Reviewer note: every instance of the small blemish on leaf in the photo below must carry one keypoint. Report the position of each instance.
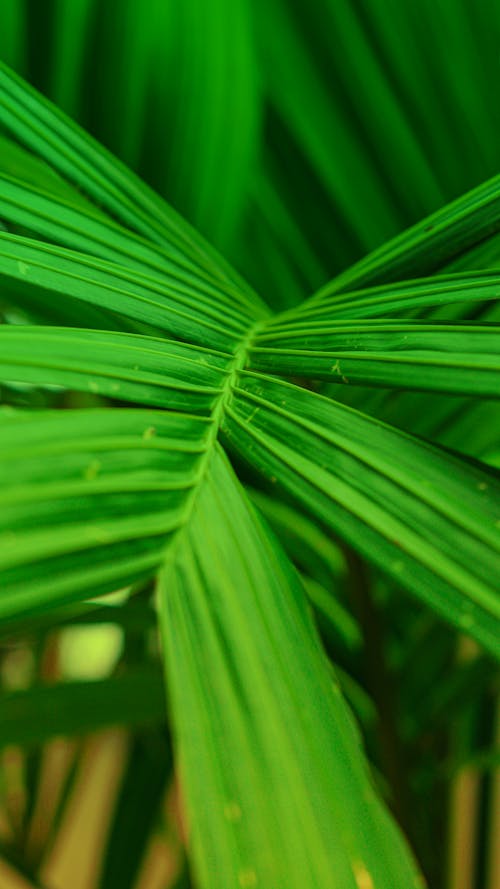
(92, 470)
(362, 876)
(148, 433)
(98, 535)
(247, 879)
(232, 812)
(23, 268)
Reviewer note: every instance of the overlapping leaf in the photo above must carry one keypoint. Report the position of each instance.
(88, 500)
(92, 500)
(430, 245)
(147, 370)
(271, 812)
(429, 520)
(462, 359)
(64, 146)
(51, 274)
(34, 197)
(32, 716)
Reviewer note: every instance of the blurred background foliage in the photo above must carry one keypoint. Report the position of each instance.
(296, 135)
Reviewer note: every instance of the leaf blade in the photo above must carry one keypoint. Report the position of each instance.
(89, 499)
(461, 358)
(244, 604)
(424, 517)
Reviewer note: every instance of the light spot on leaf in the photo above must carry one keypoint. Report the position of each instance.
(23, 268)
(247, 879)
(98, 535)
(362, 876)
(92, 470)
(232, 812)
(148, 433)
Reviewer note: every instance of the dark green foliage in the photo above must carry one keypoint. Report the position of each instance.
(246, 469)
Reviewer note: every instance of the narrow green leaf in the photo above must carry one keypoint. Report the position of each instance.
(216, 101)
(33, 716)
(430, 244)
(33, 196)
(88, 499)
(13, 34)
(326, 134)
(268, 805)
(372, 302)
(424, 517)
(126, 367)
(71, 26)
(39, 125)
(35, 268)
(342, 44)
(307, 544)
(462, 359)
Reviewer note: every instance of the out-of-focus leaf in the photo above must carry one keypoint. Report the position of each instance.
(31, 717)
(137, 810)
(430, 245)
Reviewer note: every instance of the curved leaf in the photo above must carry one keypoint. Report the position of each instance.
(198, 316)
(268, 805)
(126, 367)
(430, 245)
(88, 499)
(38, 124)
(381, 301)
(426, 518)
(36, 198)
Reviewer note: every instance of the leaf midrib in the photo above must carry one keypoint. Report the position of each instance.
(234, 367)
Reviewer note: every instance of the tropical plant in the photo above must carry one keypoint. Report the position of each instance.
(301, 492)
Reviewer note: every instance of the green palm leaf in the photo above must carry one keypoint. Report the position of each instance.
(33, 716)
(149, 370)
(230, 605)
(431, 244)
(88, 500)
(92, 500)
(463, 359)
(428, 519)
